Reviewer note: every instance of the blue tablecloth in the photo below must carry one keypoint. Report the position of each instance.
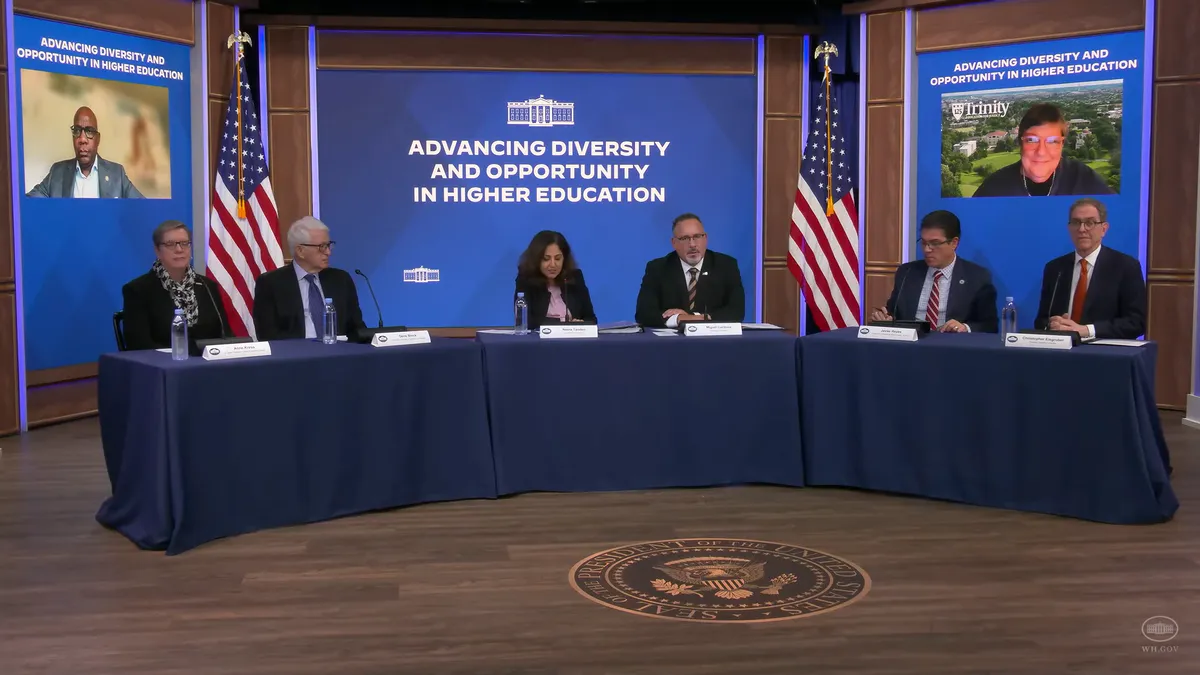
(962, 418)
(624, 412)
(199, 450)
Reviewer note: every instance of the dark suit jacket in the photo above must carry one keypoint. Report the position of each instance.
(575, 296)
(279, 311)
(972, 295)
(1116, 294)
(60, 181)
(149, 309)
(719, 291)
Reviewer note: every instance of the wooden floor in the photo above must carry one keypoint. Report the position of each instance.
(481, 588)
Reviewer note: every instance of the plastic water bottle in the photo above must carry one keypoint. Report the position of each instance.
(521, 327)
(1008, 318)
(179, 342)
(330, 336)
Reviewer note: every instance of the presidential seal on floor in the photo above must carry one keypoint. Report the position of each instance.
(719, 580)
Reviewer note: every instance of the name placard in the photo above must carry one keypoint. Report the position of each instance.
(569, 330)
(236, 350)
(887, 333)
(400, 338)
(708, 329)
(1036, 341)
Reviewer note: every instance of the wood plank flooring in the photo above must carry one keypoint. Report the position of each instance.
(480, 587)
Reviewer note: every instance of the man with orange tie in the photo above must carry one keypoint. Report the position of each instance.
(1096, 291)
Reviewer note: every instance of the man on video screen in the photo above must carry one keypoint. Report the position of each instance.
(87, 176)
(1042, 170)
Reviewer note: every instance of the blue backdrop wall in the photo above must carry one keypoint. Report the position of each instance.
(76, 254)
(676, 144)
(969, 103)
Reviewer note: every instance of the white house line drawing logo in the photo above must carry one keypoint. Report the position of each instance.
(1160, 629)
(541, 112)
(422, 275)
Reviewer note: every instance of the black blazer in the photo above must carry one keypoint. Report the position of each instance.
(719, 291)
(148, 310)
(1116, 294)
(972, 295)
(279, 311)
(575, 296)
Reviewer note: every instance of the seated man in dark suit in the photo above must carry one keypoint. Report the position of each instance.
(953, 294)
(691, 283)
(87, 175)
(289, 302)
(1095, 291)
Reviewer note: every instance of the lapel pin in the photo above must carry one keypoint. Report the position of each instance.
(704, 274)
(106, 179)
(962, 281)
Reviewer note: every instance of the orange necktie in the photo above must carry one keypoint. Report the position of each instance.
(1080, 293)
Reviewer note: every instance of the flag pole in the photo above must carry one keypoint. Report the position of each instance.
(826, 50)
(235, 42)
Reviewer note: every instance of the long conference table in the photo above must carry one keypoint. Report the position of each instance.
(199, 450)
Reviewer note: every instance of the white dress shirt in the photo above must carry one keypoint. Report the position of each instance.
(86, 187)
(943, 292)
(309, 331)
(673, 322)
(1091, 260)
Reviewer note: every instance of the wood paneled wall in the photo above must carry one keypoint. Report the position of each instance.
(10, 412)
(289, 142)
(288, 102)
(1175, 137)
(1174, 167)
(883, 175)
(60, 394)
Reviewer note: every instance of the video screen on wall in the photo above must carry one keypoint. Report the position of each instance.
(1009, 136)
(104, 155)
(433, 183)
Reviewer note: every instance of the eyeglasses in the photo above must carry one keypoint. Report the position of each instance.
(695, 237)
(323, 248)
(1052, 141)
(90, 132)
(177, 245)
(921, 243)
(1087, 224)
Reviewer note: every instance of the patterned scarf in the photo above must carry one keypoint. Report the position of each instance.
(183, 293)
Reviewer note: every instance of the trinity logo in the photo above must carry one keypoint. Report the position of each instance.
(978, 109)
(422, 275)
(541, 112)
(719, 580)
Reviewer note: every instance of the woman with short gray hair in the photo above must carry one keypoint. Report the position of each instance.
(171, 283)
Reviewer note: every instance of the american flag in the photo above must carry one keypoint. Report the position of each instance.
(243, 235)
(823, 238)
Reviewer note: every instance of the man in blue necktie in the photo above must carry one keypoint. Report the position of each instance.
(289, 302)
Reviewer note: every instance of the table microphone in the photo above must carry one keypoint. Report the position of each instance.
(899, 296)
(378, 311)
(224, 333)
(1053, 293)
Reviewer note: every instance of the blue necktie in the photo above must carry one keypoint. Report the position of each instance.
(316, 306)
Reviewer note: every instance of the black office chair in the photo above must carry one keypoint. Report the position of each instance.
(119, 330)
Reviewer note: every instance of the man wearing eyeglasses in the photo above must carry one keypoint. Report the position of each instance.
(88, 176)
(1042, 170)
(691, 283)
(953, 294)
(1095, 291)
(289, 303)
